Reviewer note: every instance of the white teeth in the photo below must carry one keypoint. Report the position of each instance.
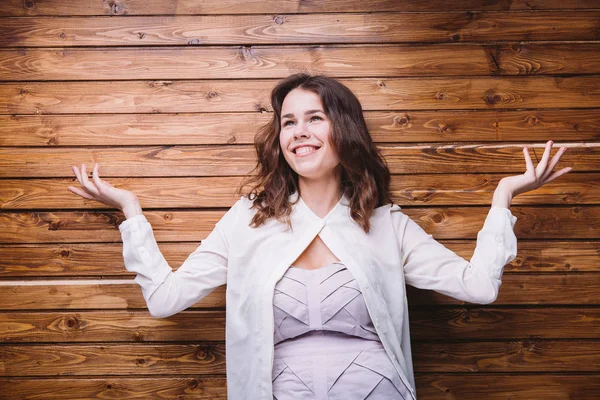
(306, 149)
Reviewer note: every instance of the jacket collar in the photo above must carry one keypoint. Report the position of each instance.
(301, 206)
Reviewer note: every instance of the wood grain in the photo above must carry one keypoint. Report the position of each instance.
(441, 324)
(527, 289)
(208, 358)
(432, 386)
(17, 8)
(471, 386)
(84, 295)
(113, 359)
(515, 356)
(389, 27)
(181, 192)
(105, 259)
(548, 290)
(154, 161)
(579, 222)
(479, 93)
(239, 128)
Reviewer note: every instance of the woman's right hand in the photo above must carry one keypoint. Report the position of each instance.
(100, 190)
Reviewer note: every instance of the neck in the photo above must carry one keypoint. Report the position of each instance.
(320, 195)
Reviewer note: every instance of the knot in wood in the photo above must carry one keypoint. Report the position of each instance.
(440, 96)
(402, 120)
(62, 35)
(246, 53)
(279, 19)
(232, 139)
(116, 8)
(455, 38)
(193, 384)
(492, 98)
(168, 216)
(64, 253)
(141, 35)
(140, 361)
(72, 323)
(211, 95)
(138, 336)
(532, 120)
(29, 4)
(437, 218)
(194, 41)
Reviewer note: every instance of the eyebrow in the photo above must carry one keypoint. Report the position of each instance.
(291, 115)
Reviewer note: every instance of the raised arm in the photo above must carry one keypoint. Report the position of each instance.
(430, 265)
(166, 292)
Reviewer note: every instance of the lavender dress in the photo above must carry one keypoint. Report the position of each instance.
(326, 346)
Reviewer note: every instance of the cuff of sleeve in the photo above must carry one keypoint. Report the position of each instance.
(126, 225)
(497, 214)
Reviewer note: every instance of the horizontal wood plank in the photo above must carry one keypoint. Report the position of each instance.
(205, 358)
(172, 161)
(239, 128)
(209, 358)
(527, 289)
(447, 324)
(580, 222)
(16, 8)
(105, 259)
(407, 190)
(549, 289)
(85, 295)
(195, 387)
(166, 96)
(438, 27)
(248, 62)
(113, 326)
(456, 324)
(514, 356)
(471, 386)
(432, 386)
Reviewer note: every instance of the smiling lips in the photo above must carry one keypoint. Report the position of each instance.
(305, 150)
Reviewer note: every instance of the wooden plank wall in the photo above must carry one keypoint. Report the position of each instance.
(167, 95)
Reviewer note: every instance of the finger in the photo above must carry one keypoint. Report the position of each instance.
(541, 168)
(96, 178)
(89, 186)
(528, 161)
(553, 163)
(76, 171)
(80, 192)
(557, 174)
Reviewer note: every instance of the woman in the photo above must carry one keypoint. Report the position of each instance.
(316, 256)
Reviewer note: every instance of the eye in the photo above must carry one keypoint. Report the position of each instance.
(286, 123)
(317, 117)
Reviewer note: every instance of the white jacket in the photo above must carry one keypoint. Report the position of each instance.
(396, 252)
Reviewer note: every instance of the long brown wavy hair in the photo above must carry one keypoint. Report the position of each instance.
(365, 177)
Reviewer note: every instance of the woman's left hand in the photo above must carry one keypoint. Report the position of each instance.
(535, 177)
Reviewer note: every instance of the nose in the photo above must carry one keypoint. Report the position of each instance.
(301, 131)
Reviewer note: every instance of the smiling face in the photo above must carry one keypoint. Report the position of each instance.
(305, 136)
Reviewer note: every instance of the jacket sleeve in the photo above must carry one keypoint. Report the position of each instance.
(168, 292)
(430, 265)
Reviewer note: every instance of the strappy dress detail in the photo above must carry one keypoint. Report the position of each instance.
(326, 346)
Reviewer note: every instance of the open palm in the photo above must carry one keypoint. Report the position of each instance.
(100, 190)
(535, 177)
